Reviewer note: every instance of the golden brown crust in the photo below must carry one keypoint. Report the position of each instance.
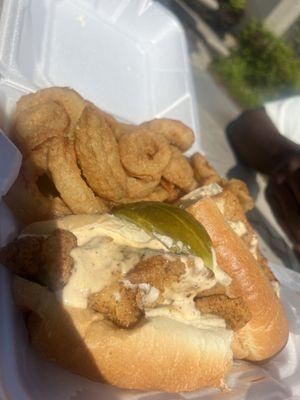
(36, 124)
(239, 188)
(160, 354)
(122, 302)
(23, 256)
(117, 304)
(179, 172)
(234, 311)
(98, 155)
(267, 332)
(57, 264)
(205, 174)
(158, 271)
(43, 259)
(70, 100)
(176, 132)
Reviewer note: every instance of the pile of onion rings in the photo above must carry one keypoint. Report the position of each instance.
(77, 159)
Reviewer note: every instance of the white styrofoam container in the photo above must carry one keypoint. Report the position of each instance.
(130, 58)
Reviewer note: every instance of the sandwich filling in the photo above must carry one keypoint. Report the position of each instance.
(121, 272)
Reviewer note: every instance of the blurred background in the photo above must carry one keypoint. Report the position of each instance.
(251, 47)
(243, 53)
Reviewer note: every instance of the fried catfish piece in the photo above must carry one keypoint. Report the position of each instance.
(123, 302)
(118, 304)
(157, 271)
(234, 311)
(23, 256)
(57, 263)
(44, 259)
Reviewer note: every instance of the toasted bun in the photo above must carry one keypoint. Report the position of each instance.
(160, 353)
(267, 332)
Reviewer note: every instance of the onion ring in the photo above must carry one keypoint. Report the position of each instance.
(67, 178)
(138, 188)
(174, 192)
(29, 205)
(179, 171)
(144, 154)
(38, 123)
(176, 132)
(98, 155)
(159, 194)
(203, 171)
(117, 127)
(72, 102)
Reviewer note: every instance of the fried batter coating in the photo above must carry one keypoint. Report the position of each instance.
(176, 132)
(98, 155)
(239, 188)
(118, 304)
(57, 264)
(123, 302)
(205, 174)
(67, 178)
(36, 124)
(71, 101)
(179, 171)
(158, 194)
(25, 197)
(46, 260)
(30, 205)
(144, 154)
(139, 188)
(234, 311)
(158, 271)
(174, 192)
(117, 127)
(23, 256)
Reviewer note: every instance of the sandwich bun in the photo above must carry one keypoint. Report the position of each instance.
(158, 354)
(267, 331)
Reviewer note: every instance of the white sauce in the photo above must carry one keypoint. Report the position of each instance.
(178, 299)
(149, 293)
(114, 247)
(111, 247)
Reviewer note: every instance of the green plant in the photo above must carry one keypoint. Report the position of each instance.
(232, 6)
(270, 62)
(236, 5)
(231, 72)
(293, 37)
(262, 67)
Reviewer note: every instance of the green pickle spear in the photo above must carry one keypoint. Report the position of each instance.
(165, 221)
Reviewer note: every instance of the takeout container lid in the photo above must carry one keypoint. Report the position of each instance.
(130, 58)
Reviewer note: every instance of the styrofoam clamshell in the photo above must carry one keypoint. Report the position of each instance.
(129, 57)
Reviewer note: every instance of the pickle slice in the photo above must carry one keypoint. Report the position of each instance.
(165, 222)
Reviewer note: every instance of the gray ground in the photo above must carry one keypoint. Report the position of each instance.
(216, 110)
